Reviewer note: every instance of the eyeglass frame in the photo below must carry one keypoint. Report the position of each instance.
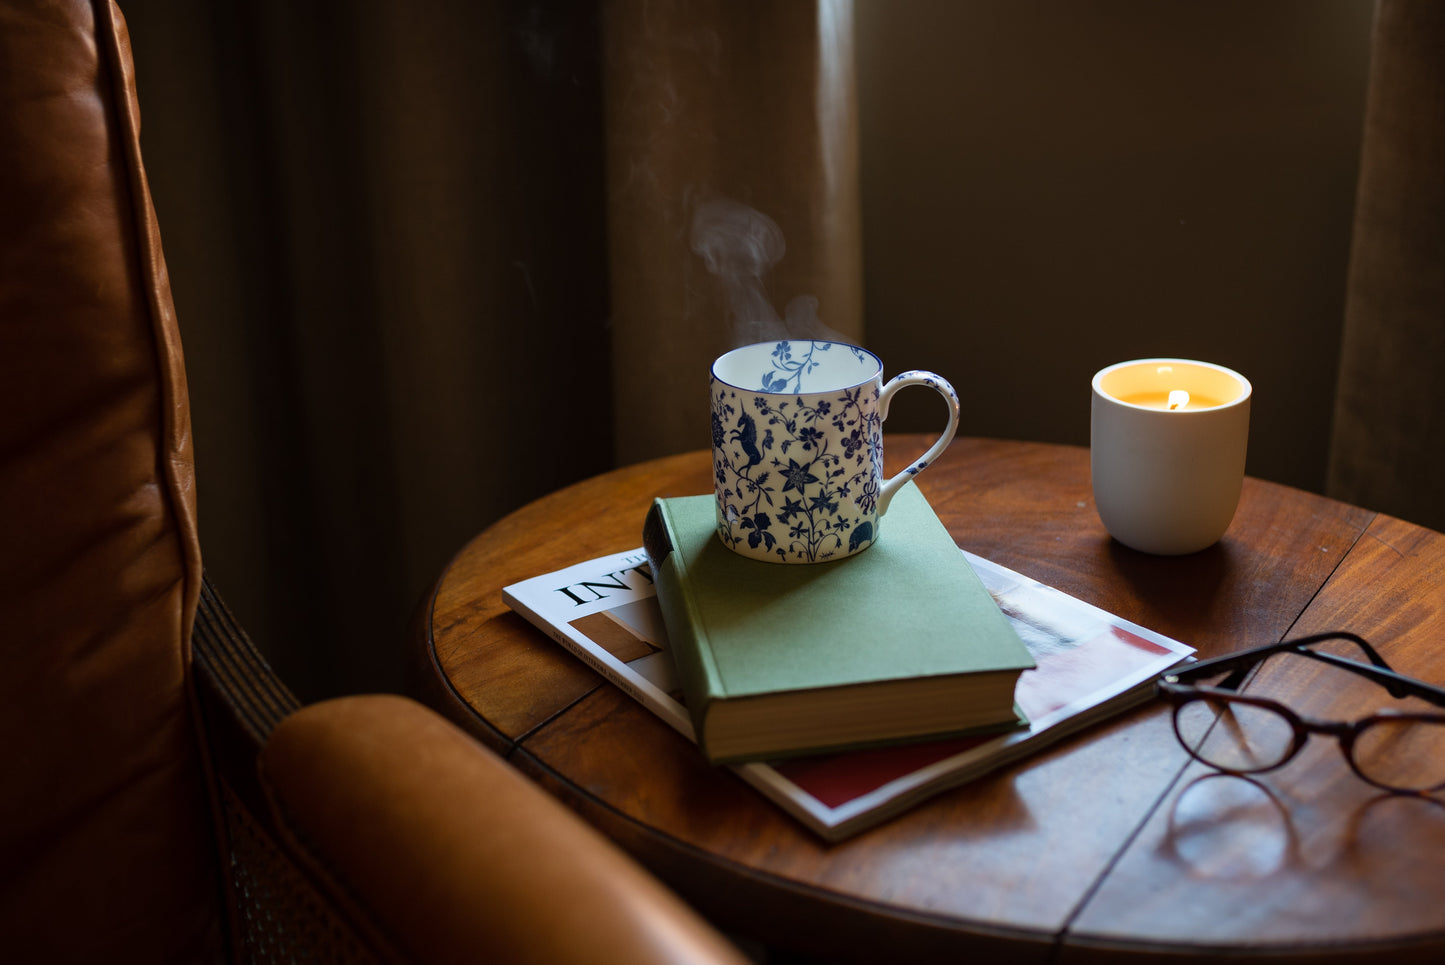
(1175, 687)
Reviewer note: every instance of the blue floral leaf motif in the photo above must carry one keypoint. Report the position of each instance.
(823, 503)
(768, 439)
(717, 430)
(863, 534)
(771, 384)
(791, 507)
(797, 476)
(868, 497)
(759, 524)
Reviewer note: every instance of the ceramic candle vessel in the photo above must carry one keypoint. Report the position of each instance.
(1167, 447)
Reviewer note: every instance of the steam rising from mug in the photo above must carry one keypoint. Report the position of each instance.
(740, 245)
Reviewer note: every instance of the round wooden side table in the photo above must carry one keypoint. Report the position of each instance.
(1111, 846)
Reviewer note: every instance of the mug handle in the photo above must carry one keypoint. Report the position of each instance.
(938, 384)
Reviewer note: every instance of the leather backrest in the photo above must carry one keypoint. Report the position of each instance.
(106, 841)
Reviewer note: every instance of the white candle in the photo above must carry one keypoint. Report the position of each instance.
(1167, 446)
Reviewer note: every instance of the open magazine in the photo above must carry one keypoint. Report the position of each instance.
(1090, 665)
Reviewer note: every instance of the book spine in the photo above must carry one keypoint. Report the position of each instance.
(686, 636)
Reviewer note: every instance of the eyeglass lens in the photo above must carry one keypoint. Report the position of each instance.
(1234, 736)
(1406, 754)
(1403, 754)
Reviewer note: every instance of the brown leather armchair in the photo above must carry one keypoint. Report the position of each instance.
(164, 797)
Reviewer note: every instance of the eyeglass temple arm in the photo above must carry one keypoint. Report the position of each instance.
(1396, 684)
(1244, 661)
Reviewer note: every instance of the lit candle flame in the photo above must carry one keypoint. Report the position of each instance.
(1178, 398)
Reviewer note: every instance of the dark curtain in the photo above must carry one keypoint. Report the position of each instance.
(432, 261)
(1388, 447)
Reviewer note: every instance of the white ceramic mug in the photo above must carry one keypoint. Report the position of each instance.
(1167, 447)
(797, 447)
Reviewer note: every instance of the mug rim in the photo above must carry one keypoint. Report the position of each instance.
(877, 372)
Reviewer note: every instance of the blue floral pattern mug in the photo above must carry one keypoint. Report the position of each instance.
(797, 448)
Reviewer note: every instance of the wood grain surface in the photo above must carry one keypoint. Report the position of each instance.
(1111, 846)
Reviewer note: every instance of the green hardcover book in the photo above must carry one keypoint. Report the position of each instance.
(899, 642)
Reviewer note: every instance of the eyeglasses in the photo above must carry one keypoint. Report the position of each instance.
(1398, 751)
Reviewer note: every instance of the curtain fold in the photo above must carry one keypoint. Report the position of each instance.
(1388, 445)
